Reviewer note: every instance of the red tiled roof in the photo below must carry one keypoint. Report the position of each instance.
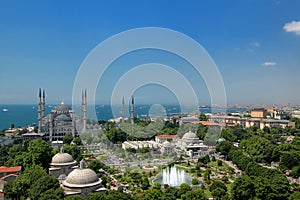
(166, 136)
(8, 175)
(208, 123)
(4, 169)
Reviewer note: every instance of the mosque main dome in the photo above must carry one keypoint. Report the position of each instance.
(190, 138)
(190, 135)
(62, 107)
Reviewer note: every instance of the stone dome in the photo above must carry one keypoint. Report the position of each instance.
(62, 158)
(82, 177)
(190, 138)
(62, 107)
(190, 135)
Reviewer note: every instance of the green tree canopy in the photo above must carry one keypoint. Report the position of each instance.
(243, 188)
(68, 138)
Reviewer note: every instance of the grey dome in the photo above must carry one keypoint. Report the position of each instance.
(190, 135)
(62, 117)
(62, 107)
(62, 158)
(82, 178)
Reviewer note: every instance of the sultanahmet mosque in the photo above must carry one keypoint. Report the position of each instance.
(61, 120)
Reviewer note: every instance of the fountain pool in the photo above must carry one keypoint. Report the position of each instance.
(173, 176)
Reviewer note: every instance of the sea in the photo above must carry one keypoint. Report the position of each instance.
(26, 115)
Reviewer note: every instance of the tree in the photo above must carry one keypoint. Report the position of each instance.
(243, 188)
(197, 194)
(12, 125)
(213, 159)
(295, 196)
(224, 147)
(217, 184)
(38, 152)
(68, 138)
(171, 193)
(8, 190)
(95, 196)
(274, 187)
(95, 165)
(218, 193)
(152, 194)
(43, 184)
(53, 194)
(75, 197)
(228, 134)
(145, 183)
(195, 181)
(74, 151)
(289, 160)
(156, 186)
(144, 150)
(26, 180)
(259, 148)
(219, 162)
(295, 172)
(225, 179)
(202, 117)
(184, 188)
(77, 141)
(4, 150)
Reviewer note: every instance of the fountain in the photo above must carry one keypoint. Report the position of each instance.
(173, 176)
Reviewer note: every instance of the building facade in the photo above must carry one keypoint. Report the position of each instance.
(61, 120)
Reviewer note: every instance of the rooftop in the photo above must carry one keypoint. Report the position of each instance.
(5, 169)
(166, 136)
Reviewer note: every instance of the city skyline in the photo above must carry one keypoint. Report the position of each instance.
(254, 44)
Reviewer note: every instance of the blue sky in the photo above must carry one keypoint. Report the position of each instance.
(255, 45)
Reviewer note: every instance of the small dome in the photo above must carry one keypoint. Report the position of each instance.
(190, 135)
(82, 177)
(61, 158)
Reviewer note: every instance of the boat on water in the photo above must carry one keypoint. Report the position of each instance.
(5, 110)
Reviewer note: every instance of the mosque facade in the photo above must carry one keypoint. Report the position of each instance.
(61, 120)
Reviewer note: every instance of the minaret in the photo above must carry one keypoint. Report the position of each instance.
(40, 111)
(84, 118)
(43, 104)
(132, 110)
(123, 109)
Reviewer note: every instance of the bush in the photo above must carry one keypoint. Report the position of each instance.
(219, 162)
(224, 179)
(195, 181)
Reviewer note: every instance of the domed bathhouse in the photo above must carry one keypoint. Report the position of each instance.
(82, 181)
(193, 146)
(62, 164)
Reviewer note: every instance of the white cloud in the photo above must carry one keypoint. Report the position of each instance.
(269, 64)
(255, 44)
(293, 27)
